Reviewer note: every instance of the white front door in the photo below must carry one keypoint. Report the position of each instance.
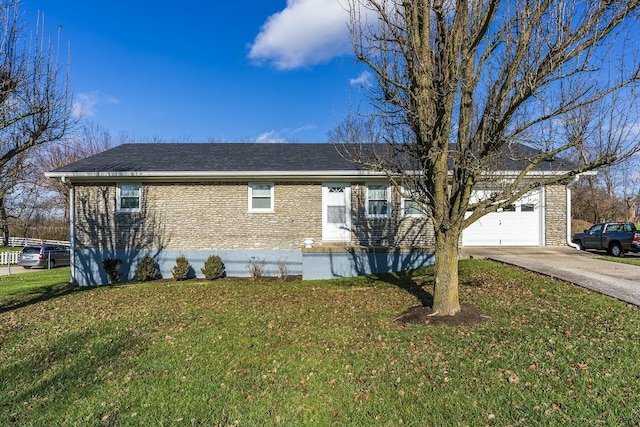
(336, 212)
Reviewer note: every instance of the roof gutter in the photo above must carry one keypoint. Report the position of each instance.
(231, 175)
(568, 215)
(204, 175)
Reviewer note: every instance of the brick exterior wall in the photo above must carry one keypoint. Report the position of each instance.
(395, 230)
(195, 216)
(555, 215)
(198, 216)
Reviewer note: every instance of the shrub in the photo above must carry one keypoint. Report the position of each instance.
(283, 269)
(112, 268)
(213, 268)
(181, 270)
(256, 268)
(146, 269)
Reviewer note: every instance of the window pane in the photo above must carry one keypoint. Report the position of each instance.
(336, 214)
(526, 208)
(595, 229)
(377, 192)
(412, 208)
(129, 196)
(261, 203)
(377, 207)
(261, 190)
(129, 191)
(129, 203)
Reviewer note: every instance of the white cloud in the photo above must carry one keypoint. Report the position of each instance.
(305, 33)
(363, 79)
(85, 103)
(284, 135)
(269, 138)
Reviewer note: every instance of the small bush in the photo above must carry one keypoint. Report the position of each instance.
(181, 270)
(256, 268)
(112, 268)
(146, 269)
(283, 269)
(213, 268)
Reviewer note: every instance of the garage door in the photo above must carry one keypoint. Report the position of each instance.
(517, 225)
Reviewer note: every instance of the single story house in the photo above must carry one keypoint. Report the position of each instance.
(304, 206)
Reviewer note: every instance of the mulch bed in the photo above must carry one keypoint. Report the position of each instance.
(421, 315)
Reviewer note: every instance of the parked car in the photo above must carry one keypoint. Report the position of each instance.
(614, 237)
(44, 256)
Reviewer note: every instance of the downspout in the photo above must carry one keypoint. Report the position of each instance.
(72, 227)
(569, 242)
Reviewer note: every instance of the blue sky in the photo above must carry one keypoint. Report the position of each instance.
(189, 71)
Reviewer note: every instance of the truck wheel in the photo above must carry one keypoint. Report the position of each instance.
(580, 245)
(616, 250)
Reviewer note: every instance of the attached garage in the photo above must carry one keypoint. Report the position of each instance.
(520, 224)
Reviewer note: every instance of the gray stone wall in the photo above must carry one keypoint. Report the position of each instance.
(396, 230)
(192, 216)
(555, 215)
(195, 216)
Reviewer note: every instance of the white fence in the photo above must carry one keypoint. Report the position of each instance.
(8, 258)
(26, 241)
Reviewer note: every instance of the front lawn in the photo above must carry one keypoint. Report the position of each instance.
(237, 352)
(633, 259)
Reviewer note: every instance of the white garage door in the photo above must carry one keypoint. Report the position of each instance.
(517, 225)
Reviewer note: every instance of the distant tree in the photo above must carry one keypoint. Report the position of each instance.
(92, 139)
(35, 101)
(462, 86)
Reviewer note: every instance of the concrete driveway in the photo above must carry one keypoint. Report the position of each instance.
(586, 269)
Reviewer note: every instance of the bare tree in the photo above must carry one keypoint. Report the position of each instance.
(15, 171)
(92, 139)
(35, 103)
(464, 86)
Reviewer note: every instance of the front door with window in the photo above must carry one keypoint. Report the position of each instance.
(336, 212)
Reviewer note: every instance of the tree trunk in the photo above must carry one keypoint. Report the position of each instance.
(445, 298)
(4, 222)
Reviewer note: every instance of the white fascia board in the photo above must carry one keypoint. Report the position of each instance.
(165, 176)
(531, 174)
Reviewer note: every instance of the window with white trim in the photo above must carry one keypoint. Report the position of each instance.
(129, 197)
(260, 197)
(411, 208)
(378, 204)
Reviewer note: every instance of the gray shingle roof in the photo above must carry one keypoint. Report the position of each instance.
(222, 157)
(230, 158)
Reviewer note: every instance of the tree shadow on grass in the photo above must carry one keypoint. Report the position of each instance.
(68, 367)
(41, 294)
(413, 282)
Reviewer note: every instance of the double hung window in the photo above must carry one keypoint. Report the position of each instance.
(378, 200)
(409, 206)
(128, 197)
(260, 197)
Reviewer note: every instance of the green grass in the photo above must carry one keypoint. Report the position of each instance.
(633, 260)
(21, 289)
(235, 352)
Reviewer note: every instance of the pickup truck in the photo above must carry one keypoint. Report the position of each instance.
(614, 237)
